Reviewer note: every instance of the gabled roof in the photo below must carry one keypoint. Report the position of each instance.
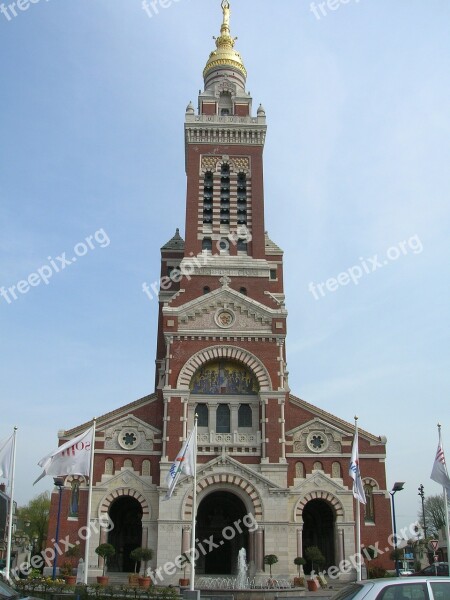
(349, 428)
(103, 419)
(271, 247)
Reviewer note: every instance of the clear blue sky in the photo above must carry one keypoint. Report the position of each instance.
(357, 161)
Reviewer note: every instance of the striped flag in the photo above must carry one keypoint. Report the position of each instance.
(439, 473)
(184, 463)
(6, 452)
(358, 488)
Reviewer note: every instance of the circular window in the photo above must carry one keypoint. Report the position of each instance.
(129, 439)
(224, 318)
(317, 441)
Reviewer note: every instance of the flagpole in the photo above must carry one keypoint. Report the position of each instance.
(194, 508)
(358, 517)
(11, 509)
(88, 518)
(447, 534)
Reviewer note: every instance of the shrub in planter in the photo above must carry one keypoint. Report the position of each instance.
(299, 581)
(105, 551)
(142, 555)
(270, 559)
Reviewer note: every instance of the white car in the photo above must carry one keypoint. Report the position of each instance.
(413, 588)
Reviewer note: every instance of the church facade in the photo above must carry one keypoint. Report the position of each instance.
(267, 460)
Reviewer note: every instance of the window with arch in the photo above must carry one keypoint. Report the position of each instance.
(299, 470)
(74, 498)
(223, 419)
(369, 508)
(318, 466)
(146, 468)
(207, 244)
(336, 472)
(243, 291)
(245, 416)
(206, 290)
(109, 466)
(201, 410)
(128, 463)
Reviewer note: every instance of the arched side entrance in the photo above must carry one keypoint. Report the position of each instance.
(217, 515)
(126, 508)
(319, 531)
(126, 535)
(320, 511)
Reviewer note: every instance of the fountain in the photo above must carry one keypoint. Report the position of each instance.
(242, 579)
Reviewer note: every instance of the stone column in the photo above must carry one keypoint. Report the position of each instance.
(263, 428)
(341, 551)
(164, 437)
(283, 431)
(259, 549)
(186, 538)
(300, 548)
(103, 540)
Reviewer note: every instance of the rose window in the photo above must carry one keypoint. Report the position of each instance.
(317, 441)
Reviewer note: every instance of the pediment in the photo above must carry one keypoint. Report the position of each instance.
(229, 464)
(126, 477)
(316, 437)
(319, 481)
(130, 433)
(224, 310)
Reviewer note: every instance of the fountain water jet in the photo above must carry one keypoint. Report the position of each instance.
(242, 579)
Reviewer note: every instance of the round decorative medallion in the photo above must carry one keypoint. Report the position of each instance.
(317, 441)
(225, 318)
(129, 438)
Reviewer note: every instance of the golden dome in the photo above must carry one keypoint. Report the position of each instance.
(225, 55)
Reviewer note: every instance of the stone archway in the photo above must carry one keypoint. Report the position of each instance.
(125, 513)
(319, 512)
(217, 516)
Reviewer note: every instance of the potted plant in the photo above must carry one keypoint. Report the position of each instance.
(184, 581)
(300, 580)
(270, 559)
(67, 569)
(314, 555)
(133, 578)
(143, 555)
(105, 551)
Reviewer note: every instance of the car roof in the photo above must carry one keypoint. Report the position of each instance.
(402, 580)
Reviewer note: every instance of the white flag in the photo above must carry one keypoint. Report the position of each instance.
(72, 458)
(358, 488)
(6, 452)
(184, 463)
(439, 473)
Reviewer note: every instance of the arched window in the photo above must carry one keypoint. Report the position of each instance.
(369, 509)
(206, 290)
(74, 498)
(146, 468)
(245, 416)
(317, 466)
(223, 419)
(243, 291)
(336, 471)
(299, 470)
(207, 244)
(208, 199)
(201, 410)
(128, 463)
(225, 195)
(109, 466)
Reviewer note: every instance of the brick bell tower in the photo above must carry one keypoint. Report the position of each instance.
(222, 320)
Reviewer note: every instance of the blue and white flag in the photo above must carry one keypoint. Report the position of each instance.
(439, 474)
(355, 474)
(184, 463)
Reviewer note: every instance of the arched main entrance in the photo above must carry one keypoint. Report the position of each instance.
(216, 516)
(318, 530)
(126, 514)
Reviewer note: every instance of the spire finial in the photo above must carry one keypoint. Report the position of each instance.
(226, 16)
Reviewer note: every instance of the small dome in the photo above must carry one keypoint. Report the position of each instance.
(261, 112)
(225, 55)
(190, 110)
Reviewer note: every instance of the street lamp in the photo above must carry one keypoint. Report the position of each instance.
(398, 486)
(422, 495)
(59, 483)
